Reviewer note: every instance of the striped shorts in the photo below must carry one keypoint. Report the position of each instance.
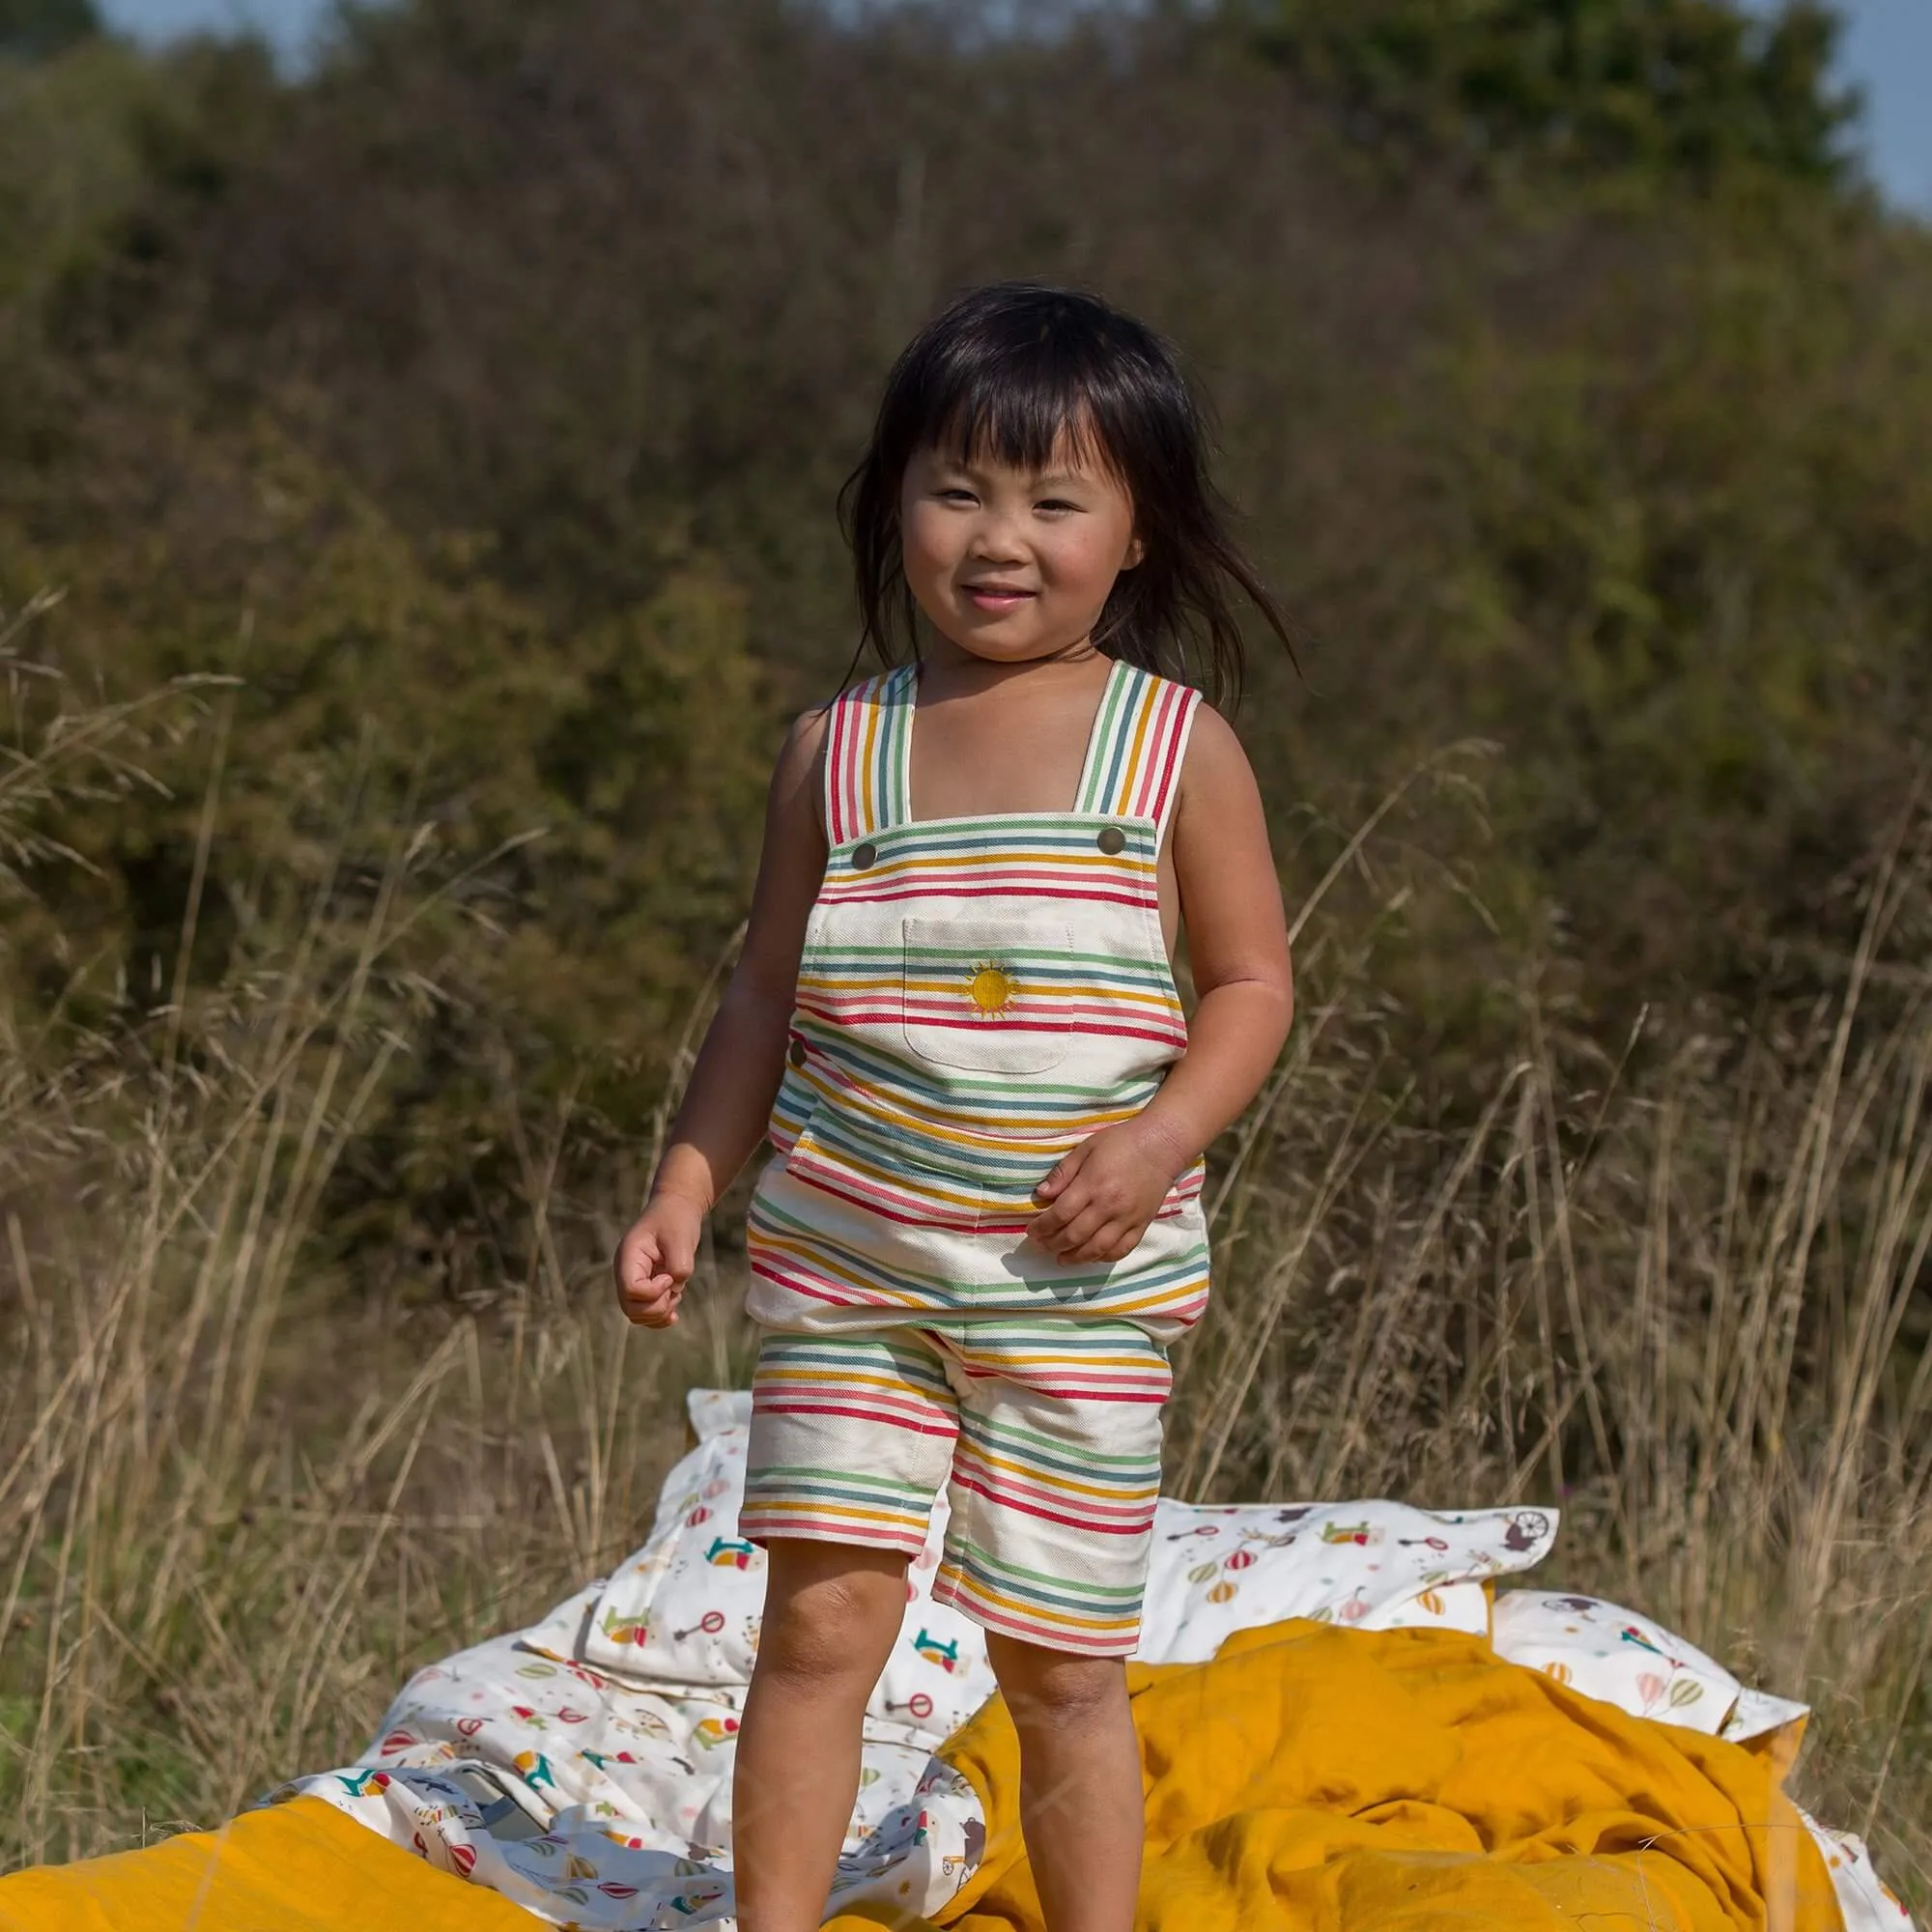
(1046, 1433)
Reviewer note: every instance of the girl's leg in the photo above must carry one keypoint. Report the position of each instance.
(832, 1614)
(1080, 1782)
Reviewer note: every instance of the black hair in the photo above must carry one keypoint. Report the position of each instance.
(1003, 371)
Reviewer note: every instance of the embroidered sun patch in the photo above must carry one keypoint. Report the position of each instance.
(991, 989)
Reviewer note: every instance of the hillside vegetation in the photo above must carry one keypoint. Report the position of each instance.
(415, 529)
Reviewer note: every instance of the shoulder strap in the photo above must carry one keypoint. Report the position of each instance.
(1140, 740)
(865, 756)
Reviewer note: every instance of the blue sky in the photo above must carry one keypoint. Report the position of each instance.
(1889, 53)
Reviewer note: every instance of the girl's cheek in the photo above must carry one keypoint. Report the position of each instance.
(1085, 567)
(926, 554)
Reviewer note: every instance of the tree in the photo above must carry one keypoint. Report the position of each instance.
(1675, 92)
(35, 29)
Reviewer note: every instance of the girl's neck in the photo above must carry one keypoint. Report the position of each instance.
(950, 671)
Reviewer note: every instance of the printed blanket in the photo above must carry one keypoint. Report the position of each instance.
(1338, 1727)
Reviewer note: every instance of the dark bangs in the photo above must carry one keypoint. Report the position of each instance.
(1004, 374)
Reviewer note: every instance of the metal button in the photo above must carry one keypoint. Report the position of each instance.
(865, 857)
(797, 1054)
(1112, 839)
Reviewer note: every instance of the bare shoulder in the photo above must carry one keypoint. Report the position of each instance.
(805, 742)
(1216, 767)
(799, 773)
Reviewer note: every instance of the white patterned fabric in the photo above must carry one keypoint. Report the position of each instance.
(686, 1608)
(1606, 1651)
(1369, 1565)
(601, 1800)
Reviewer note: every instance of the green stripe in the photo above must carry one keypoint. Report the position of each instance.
(879, 1071)
(1047, 1456)
(944, 834)
(840, 1263)
(862, 955)
(838, 1484)
(895, 775)
(881, 1353)
(1125, 690)
(1040, 1587)
(1099, 747)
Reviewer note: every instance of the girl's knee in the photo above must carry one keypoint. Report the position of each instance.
(1047, 1687)
(831, 1616)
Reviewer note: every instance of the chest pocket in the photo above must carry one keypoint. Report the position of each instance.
(995, 995)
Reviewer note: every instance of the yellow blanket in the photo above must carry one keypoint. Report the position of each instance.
(301, 1867)
(1312, 1778)
(1308, 1778)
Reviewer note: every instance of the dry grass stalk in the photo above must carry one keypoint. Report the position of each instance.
(243, 1497)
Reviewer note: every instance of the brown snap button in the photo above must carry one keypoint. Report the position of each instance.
(797, 1054)
(1112, 839)
(865, 857)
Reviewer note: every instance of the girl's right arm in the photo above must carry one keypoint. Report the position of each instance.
(742, 1061)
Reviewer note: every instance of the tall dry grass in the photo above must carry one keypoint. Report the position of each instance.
(244, 1490)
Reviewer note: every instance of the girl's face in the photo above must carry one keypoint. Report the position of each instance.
(1008, 565)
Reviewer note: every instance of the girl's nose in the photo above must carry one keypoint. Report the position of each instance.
(996, 541)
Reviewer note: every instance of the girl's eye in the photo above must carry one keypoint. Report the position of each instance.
(956, 495)
(1054, 505)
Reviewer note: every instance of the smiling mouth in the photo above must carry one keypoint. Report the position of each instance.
(997, 596)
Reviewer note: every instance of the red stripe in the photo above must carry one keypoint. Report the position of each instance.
(960, 1219)
(854, 1415)
(1034, 1012)
(1170, 1037)
(959, 1594)
(1136, 1387)
(1172, 764)
(786, 1395)
(1155, 772)
(766, 1525)
(818, 1287)
(1124, 1518)
(994, 887)
(1006, 1502)
(835, 771)
(1133, 796)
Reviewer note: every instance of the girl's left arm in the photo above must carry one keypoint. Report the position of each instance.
(1102, 1197)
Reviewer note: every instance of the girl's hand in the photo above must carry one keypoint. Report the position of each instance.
(1103, 1195)
(655, 1258)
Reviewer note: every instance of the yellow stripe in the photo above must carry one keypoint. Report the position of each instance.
(880, 1293)
(843, 1378)
(1113, 1493)
(1060, 1140)
(1140, 739)
(1073, 1127)
(867, 788)
(828, 982)
(927, 1189)
(940, 862)
(836, 1512)
(1031, 1611)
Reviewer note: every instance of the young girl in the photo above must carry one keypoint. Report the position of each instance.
(956, 1019)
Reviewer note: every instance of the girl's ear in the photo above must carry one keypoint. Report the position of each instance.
(1136, 551)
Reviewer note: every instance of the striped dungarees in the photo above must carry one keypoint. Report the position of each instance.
(976, 997)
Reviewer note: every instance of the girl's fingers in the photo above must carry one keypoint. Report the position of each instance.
(1050, 1224)
(1080, 1231)
(1113, 1240)
(1063, 1171)
(644, 1301)
(637, 1262)
(1095, 1245)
